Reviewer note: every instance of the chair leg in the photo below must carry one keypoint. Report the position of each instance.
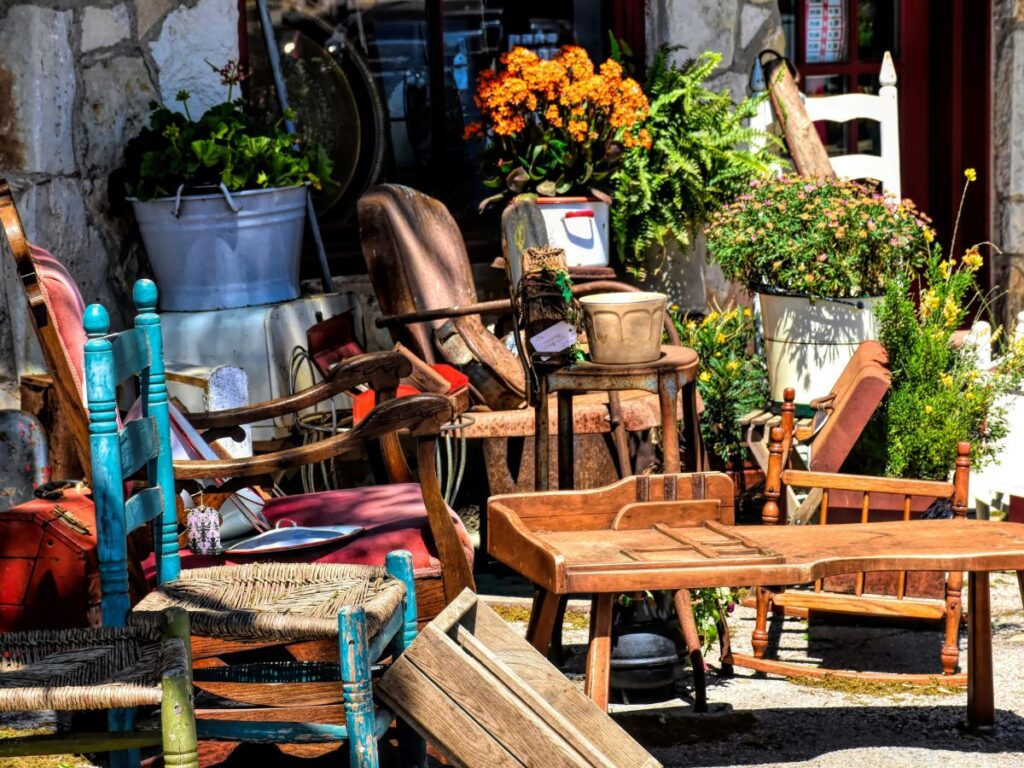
(954, 610)
(1020, 585)
(759, 640)
(178, 723)
(724, 643)
(356, 689)
(688, 625)
(411, 745)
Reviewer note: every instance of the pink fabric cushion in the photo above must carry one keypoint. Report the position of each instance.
(394, 517)
(64, 304)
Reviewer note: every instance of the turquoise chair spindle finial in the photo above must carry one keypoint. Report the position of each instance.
(144, 294)
(96, 321)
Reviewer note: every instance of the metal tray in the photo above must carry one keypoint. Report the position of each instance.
(293, 537)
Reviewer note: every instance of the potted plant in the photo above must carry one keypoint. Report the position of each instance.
(939, 394)
(220, 200)
(819, 253)
(699, 159)
(557, 128)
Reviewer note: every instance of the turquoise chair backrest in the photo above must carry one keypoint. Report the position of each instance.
(119, 451)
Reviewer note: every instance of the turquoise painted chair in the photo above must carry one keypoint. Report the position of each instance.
(365, 612)
(117, 667)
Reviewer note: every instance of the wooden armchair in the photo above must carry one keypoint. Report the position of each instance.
(420, 270)
(861, 499)
(404, 515)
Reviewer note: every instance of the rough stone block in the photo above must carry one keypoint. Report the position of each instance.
(752, 19)
(110, 123)
(190, 37)
(37, 91)
(102, 27)
(698, 25)
(149, 12)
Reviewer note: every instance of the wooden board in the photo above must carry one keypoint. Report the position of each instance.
(484, 697)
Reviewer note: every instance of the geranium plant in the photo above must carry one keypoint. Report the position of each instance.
(556, 126)
(225, 145)
(822, 238)
(939, 395)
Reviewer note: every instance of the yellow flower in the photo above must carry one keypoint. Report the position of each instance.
(927, 409)
(946, 379)
(944, 267)
(732, 365)
(969, 396)
(929, 235)
(970, 174)
(972, 259)
(929, 303)
(710, 318)
(950, 312)
(705, 376)
(747, 312)
(720, 338)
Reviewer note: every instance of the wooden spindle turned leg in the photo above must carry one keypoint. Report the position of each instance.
(355, 688)
(759, 640)
(954, 610)
(688, 625)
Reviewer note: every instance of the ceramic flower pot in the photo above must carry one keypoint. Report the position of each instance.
(217, 251)
(624, 328)
(808, 343)
(579, 226)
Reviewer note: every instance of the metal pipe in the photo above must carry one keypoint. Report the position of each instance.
(289, 125)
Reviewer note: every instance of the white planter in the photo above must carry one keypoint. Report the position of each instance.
(807, 344)
(212, 256)
(579, 226)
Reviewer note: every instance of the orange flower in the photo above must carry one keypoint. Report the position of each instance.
(472, 131)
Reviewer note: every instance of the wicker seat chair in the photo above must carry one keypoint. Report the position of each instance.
(112, 668)
(362, 611)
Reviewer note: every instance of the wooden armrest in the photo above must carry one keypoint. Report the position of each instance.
(381, 370)
(419, 414)
(864, 483)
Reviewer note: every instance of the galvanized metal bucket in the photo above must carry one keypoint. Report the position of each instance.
(221, 250)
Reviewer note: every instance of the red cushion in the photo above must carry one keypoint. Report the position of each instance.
(393, 515)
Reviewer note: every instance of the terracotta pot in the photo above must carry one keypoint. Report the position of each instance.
(624, 328)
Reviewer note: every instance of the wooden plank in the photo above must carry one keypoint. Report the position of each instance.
(799, 669)
(331, 714)
(645, 514)
(145, 506)
(280, 732)
(931, 488)
(131, 353)
(520, 730)
(138, 444)
(749, 417)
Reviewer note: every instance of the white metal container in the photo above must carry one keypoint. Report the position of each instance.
(808, 343)
(221, 250)
(579, 226)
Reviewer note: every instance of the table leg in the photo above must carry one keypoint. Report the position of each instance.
(566, 472)
(619, 436)
(542, 620)
(599, 655)
(980, 694)
(541, 443)
(691, 427)
(688, 626)
(668, 394)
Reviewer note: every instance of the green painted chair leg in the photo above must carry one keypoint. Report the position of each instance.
(177, 712)
(355, 686)
(399, 564)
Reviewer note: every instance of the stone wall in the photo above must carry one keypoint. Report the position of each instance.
(1008, 152)
(739, 30)
(76, 80)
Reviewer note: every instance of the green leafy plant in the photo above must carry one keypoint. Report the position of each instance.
(822, 238)
(225, 145)
(699, 159)
(732, 380)
(555, 126)
(939, 396)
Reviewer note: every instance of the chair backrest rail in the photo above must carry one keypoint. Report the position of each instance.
(144, 507)
(138, 445)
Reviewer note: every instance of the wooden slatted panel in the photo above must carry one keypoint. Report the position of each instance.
(131, 353)
(138, 445)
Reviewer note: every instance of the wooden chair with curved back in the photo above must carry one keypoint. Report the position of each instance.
(401, 515)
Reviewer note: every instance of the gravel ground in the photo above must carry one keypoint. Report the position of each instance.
(772, 722)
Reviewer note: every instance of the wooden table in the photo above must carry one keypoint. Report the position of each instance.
(582, 542)
(671, 377)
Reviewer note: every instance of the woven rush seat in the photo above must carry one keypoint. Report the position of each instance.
(78, 669)
(275, 602)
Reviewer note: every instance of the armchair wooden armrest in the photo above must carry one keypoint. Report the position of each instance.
(381, 370)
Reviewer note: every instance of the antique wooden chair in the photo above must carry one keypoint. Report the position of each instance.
(853, 499)
(402, 515)
(361, 610)
(882, 108)
(417, 262)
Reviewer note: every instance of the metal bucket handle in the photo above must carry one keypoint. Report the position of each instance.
(235, 207)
